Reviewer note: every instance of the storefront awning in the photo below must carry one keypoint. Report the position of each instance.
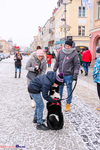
(60, 42)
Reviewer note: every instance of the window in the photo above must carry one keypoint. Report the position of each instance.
(81, 30)
(98, 10)
(82, 11)
(98, 42)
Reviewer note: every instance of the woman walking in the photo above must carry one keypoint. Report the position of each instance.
(17, 58)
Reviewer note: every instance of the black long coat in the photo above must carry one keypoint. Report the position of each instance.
(18, 61)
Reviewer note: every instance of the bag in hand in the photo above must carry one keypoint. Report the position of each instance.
(31, 75)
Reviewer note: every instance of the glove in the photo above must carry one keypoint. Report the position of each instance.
(75, 77)
(36, 69)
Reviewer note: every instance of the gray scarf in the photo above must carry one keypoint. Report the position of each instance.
(68, 51)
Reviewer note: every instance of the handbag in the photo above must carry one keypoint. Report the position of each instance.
(31, 75)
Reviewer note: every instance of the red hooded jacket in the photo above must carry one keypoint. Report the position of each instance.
(86, 56)
(49, 57)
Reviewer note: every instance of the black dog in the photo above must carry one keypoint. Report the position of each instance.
(54, 117)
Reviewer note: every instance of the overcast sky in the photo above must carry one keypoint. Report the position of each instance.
(19, 19)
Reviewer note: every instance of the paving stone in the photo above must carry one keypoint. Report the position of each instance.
(81, 129)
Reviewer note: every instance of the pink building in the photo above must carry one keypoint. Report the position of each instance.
(94, 27)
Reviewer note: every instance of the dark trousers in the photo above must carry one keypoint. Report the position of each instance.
(98, 89)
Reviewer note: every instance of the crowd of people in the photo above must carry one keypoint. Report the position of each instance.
(40, 82)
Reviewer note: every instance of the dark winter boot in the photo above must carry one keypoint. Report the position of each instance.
(15, 74)
(35, 120)
(19, 74)
(86, 74)
(41, 127)
(81, 71)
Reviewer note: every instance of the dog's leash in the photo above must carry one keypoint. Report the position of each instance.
(71, 91)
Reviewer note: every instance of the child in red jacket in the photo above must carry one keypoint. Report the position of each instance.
(49, 57)
(86, 59)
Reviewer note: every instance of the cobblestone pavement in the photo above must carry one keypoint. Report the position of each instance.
(81, 129)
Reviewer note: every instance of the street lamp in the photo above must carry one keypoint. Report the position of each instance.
(64, 19)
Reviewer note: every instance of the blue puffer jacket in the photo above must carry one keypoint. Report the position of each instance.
(43, 83)
(96, 71)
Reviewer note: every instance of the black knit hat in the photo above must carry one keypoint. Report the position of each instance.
(69, 42)
(98, 50)
(59, 79)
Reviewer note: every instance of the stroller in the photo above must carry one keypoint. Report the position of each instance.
(55, 116)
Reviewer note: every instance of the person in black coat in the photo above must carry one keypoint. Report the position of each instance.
(43, 84)
(17, 58)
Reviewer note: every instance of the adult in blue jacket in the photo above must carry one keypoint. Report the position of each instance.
(43, 83)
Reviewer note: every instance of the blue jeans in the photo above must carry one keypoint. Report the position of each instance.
(39, 107)
(85, 66)
(18, 68)
(67, 80)
(49, 65)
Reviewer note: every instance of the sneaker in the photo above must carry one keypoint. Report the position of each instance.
(41, 127)
(32, 103)
(98, 108)
(67, 107)
(35, 120)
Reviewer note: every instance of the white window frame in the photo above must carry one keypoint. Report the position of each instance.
(98, 9)
(81, 30)
(81, 11)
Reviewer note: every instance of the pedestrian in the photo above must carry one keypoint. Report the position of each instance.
(73, 43)
(68, 63)
(44, 51)
(38, 47)
(86, 60)
(53, 54)
(49, 59)
(40, 86)
(17, 59)
(96, 73)
(35, 65)
(80, 56)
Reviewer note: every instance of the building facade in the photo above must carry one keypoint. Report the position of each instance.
(45, 34)
(5, 47)
(72, 20)
(94, 27)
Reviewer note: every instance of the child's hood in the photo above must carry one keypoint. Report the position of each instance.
(51, 75)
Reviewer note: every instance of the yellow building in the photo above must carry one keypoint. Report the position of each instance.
(76, 25)
(5, 47)
(34, 43)
(37, 40)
